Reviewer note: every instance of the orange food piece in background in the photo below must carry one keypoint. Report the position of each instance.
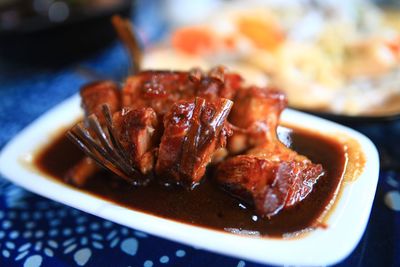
(394, 46)
(229, 42)
(194, 40)
(263, 33)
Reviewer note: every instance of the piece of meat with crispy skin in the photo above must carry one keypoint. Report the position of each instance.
(256, 113)
(217, 83)
(156, 89)
(193, 131)
(267, 184)
(269, 175)
(95, 95)
(162, 89)
(138, 132)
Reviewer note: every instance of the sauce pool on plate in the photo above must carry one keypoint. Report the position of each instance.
(208, 205)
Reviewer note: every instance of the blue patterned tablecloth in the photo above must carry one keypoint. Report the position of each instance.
(35, 231)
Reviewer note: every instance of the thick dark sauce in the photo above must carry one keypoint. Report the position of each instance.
(207, 205)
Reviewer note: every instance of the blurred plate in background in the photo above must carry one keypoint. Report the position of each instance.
(330, 57)
(56, 32)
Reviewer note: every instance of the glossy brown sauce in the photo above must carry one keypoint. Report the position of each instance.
(207, 205)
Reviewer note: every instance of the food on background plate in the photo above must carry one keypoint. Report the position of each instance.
(338, 58)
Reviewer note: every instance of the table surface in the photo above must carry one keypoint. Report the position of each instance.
(35, 231)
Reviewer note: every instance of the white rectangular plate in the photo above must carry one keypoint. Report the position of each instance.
(321, 247)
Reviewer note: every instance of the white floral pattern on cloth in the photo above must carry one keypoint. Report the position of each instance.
(392, 197)
(34, 230)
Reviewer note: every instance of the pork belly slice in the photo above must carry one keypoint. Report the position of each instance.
(269, 176)
(193, 131)
(97, 94)
(93, 97)
(255, 115)
(162, 89)
(138, 132)
(266, 184)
